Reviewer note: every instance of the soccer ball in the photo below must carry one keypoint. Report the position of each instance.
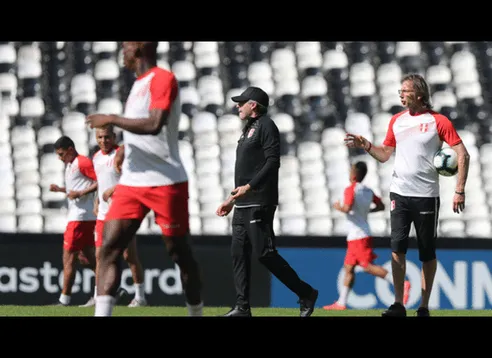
(446, 161)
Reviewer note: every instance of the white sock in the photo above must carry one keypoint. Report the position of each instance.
(389, 277)
(195, 310)
(64, 299)
(104, 306)
(95, 291)
(139, 291)
(342, 300)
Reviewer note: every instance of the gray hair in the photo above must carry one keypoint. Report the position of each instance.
(260, 109)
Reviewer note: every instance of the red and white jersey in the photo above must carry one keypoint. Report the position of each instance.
(79, 175)
(153, 160)
(359, 197)
(417, 138)
(107, 177)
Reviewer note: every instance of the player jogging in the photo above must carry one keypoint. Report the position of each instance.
(107, 178)
(78, 239)
(153, 177)
(357, 204)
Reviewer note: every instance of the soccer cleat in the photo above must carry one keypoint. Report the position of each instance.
(406, 292)
(138, 303)
(239, 311)
(335, 307)
(395, 310)
(89, 303)
(423, 312)
(307, 304)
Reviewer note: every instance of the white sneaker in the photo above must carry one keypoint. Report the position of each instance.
(89, 303)
(138, 303)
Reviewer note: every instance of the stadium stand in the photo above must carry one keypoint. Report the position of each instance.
(318, 91)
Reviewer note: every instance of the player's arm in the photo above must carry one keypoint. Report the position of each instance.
(118, 159)
(344, 208)
(381, 153)
(463, 166)
(57, 189)
(86, 167)
(108, 193)
(378, 204)
(348, 200)
(152, 125)
(163, 91)
(96, 205)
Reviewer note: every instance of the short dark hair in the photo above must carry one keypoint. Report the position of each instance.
(360, 171)
(64, 143)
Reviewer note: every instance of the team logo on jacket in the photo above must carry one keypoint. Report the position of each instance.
(250, 133)
(424, 127)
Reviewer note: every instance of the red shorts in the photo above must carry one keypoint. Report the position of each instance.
(98, 233)
(360, 252)
(168, 202)
(79, 235)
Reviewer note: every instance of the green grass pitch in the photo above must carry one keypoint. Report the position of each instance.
(74, 311)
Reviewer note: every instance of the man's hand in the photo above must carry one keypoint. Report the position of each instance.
(74, 194)
(240, 191)
(107, 194)
(356, 141)
(98, 120)
(55, 188)
(458, 203)
(225, 208)
(337, 205)
(96, 210)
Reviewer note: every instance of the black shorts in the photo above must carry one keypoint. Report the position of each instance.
(424, 214)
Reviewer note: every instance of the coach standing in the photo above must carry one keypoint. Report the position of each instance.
(255, 199)
(417, 133)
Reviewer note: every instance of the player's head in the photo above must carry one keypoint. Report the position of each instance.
(106, 138)
(414, 92)
(252, 102)
(358, 172)
(135, 52)
(65, 149)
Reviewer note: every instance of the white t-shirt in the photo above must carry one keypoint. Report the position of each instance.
(107, 177)
(79, 175)
(417, 138)
(359, 197)
(153, 160)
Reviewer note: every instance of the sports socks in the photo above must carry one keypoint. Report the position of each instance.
(139, 291)
(195, 310)
(104, 306)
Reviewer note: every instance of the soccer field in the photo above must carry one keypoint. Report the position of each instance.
(74, 311)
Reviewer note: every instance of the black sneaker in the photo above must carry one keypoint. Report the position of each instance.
(307, 304)
(239, 311)
(395, 310)
(423, 312)
(121, 293)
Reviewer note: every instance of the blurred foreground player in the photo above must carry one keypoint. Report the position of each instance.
(153, 177)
